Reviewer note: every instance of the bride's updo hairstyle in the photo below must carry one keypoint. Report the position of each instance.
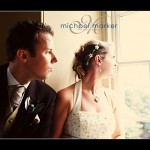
(85, 55)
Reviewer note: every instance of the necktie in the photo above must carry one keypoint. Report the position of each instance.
(16, 95)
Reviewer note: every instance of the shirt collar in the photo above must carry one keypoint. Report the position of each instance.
(13, 81)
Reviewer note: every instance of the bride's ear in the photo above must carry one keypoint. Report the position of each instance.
(98, 59)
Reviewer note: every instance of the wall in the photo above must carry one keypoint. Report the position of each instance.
(67, 41)
(8, 19)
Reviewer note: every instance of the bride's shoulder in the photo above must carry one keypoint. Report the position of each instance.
(66, 93)
(112, 97)
(111, 92)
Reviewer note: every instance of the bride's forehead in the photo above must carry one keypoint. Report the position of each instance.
(111, 52)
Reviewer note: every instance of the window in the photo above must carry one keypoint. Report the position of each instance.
(133, 70)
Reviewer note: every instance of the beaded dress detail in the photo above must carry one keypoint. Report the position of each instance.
(88, 125)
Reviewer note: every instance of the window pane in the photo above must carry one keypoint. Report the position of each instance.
(134, 84)
(134, 36)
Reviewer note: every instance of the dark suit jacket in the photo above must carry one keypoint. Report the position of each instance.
(39, 92)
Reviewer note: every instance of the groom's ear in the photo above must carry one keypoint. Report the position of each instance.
(22, 55)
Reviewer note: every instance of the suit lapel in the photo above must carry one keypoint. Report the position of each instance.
(22, 126)
(5, 109)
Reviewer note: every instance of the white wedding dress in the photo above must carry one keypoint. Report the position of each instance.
(88, 125)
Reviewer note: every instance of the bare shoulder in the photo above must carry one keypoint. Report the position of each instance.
(112, 97)
(66, 94)
(111, 93)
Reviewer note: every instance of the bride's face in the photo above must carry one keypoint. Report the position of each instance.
(108, 64)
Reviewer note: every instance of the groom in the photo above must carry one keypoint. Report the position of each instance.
(30, 53)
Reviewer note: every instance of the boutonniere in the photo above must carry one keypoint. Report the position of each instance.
(33, 109)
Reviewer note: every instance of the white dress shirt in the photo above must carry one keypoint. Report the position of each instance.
(12, 81)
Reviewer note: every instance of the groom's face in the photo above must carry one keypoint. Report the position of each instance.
(41, 64)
